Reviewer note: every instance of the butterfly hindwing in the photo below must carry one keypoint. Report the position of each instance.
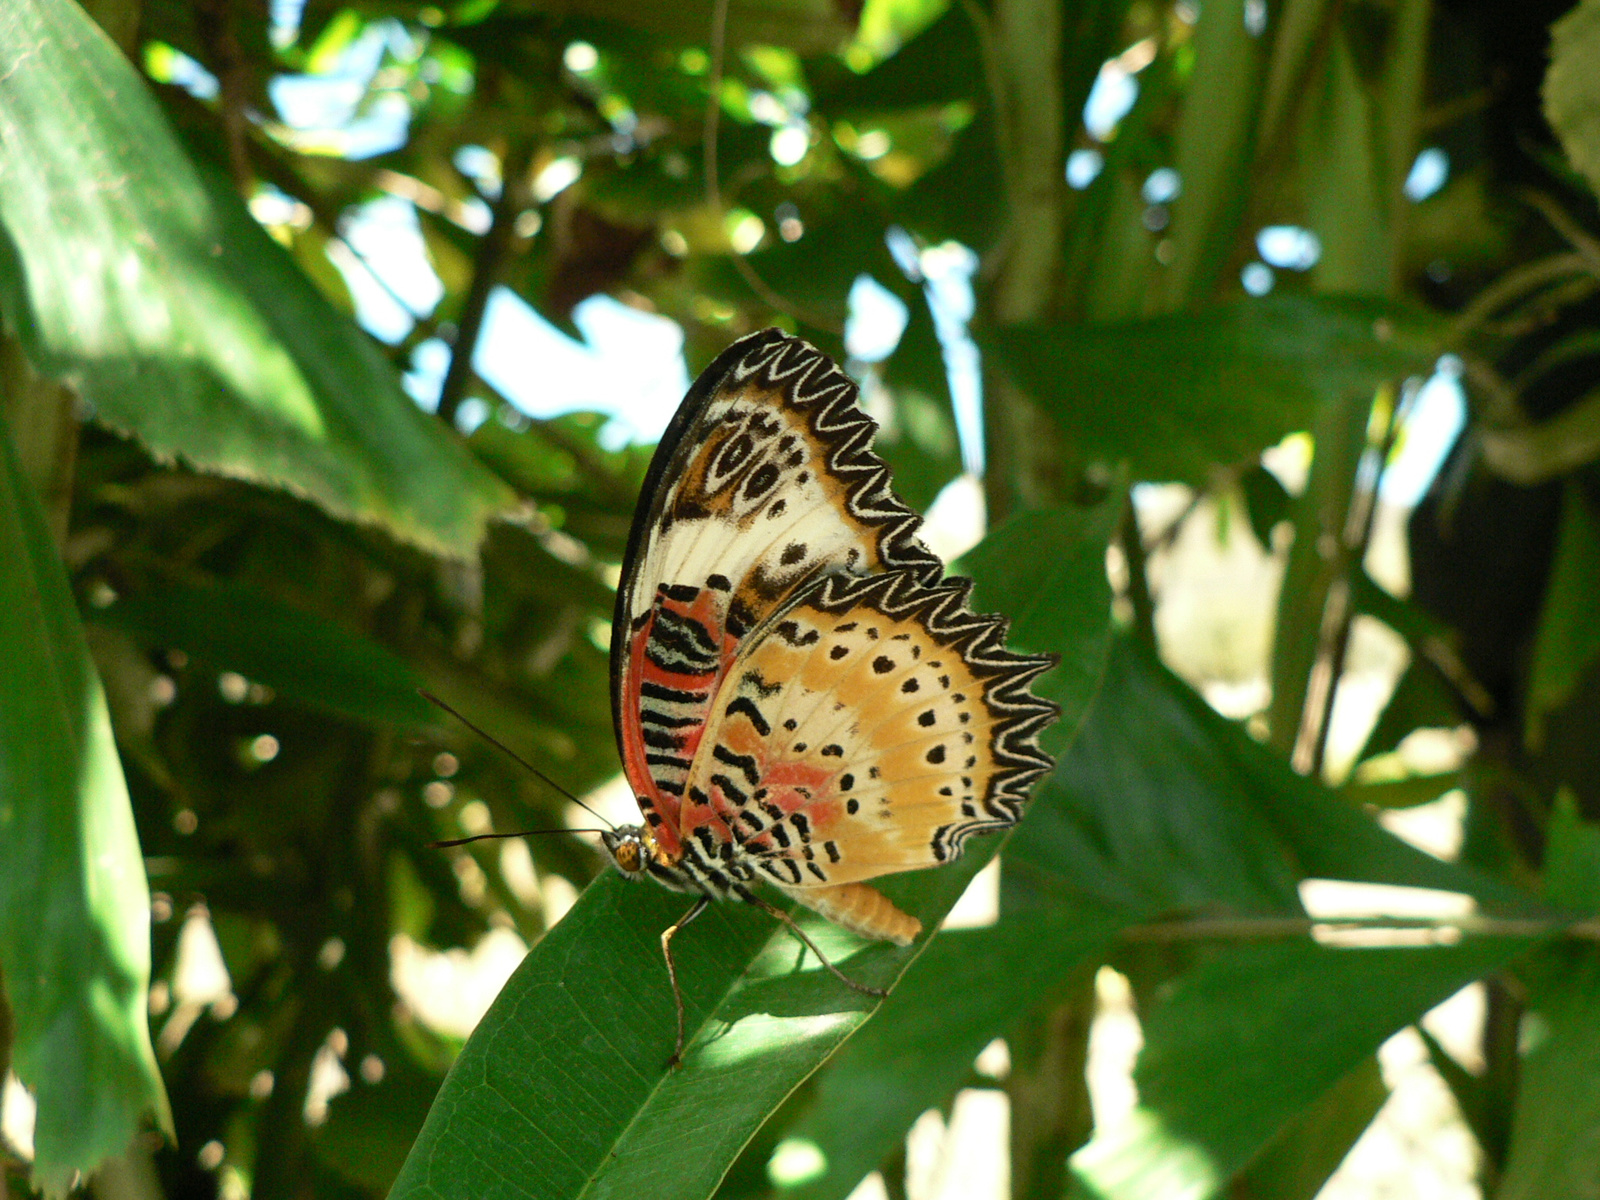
(763, 484)
(871, 726)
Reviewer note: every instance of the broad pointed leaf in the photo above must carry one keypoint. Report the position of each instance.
(1174, 395)
(154, 294)
(563, 1089)
(74, 904)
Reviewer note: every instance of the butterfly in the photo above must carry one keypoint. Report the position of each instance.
(801, 698)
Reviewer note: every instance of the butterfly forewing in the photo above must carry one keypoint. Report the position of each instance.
(764, 484)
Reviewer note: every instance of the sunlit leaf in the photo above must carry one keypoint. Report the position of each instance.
(1247, 1041)
(1555, 1133)
(969, 988)
(74, 905)
(573, 1053)
(154, 294)
(1572, 87)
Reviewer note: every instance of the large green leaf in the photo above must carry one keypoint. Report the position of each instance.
(1046, 570)
(1146, 813)
(1299, 1160)
(74, 905)
(1162, 808)
(563, 1089)
(969, 988)
(1166, 806)
(573, 1053)
(1555, 1135)
(1248, 1041)
(1572, 87)
(162, 302)
(1175, 395)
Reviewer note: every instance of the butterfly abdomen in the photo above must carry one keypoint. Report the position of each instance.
(862, 910)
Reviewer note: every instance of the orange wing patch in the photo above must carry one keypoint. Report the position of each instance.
(871, 727)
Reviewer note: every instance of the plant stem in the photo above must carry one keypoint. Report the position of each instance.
(494, 250)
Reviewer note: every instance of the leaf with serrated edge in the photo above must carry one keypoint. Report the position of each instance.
(158, 298)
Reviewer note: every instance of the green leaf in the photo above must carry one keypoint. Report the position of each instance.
(1568, 641)
(74, 905)
(1309, 1149)
(1176, 395)
(1471, 1093)
(1246, 1042)
(1555, 1133)
(1420, 700)
(1167, 805)
(1163, 806)
(1572, 857)
(921, 1044)
(154, 294)
(305, 658)
(1148, 813)
(1046, 570)
(939, 65)
(563, 1089)
(1572, 88)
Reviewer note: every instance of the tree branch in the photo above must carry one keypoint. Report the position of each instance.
(494, 250)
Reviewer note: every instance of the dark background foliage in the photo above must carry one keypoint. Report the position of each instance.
(234, 546)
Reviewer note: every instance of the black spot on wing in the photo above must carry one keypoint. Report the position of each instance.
(747, 707)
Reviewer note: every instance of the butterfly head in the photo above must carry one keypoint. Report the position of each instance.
(631, 848)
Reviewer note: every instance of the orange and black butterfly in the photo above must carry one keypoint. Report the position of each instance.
(802, 699)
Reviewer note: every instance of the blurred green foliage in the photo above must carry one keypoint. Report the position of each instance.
(219, 494)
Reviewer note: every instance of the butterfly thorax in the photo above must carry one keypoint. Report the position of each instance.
(635, 852)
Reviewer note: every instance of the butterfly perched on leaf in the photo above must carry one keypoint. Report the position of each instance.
(802, 699)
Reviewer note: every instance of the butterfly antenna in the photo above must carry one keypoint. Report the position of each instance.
(519, 760)
(484, 837)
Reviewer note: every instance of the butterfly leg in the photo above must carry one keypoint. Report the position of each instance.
(672, 972)
(795, 929)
